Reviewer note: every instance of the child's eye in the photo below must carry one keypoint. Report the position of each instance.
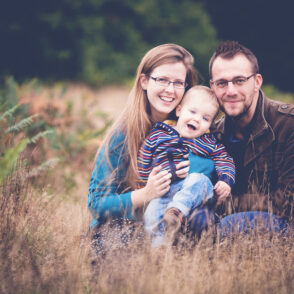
(205, 118)
(192, 111)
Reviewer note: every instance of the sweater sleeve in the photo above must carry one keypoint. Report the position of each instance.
(105, 196)
(223, 162)
(145, 160)
(208, 146)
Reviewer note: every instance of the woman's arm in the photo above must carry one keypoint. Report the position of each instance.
(106, 198)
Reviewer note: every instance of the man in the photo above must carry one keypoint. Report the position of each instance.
(259, 135)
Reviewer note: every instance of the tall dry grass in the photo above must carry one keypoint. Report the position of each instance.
(45, 248)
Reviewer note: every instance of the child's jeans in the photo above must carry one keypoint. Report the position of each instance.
(184, 195)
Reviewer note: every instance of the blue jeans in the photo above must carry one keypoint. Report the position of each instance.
(184, 195)
(246, 222)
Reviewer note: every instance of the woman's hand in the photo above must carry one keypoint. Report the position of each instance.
(182, 168)
(222, 190)
(158, 184)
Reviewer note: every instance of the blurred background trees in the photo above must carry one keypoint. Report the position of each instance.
(102, 41)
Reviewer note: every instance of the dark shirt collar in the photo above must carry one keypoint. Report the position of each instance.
(246, 131)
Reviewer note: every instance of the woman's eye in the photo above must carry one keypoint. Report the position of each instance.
(162, 80)
(179, 84)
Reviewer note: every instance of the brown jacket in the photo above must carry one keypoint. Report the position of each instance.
(267, 168)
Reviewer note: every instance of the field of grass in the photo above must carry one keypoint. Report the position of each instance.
(44, 220)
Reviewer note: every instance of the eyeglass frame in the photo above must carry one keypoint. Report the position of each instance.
(169, 82)
(233, 81)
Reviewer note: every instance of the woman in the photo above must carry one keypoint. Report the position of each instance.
(163, 76)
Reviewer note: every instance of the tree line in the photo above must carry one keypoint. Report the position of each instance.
(102, 41)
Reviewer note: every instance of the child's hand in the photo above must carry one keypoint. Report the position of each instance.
(158, 183)
(222, 190)
(182, 168)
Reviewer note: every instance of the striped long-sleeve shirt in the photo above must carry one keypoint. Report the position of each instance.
(164, 147)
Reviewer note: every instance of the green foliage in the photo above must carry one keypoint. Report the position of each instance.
(12, 147)
(8, 94)
(101, 41)
(119, 34)
(274, 93)
(10, 157)
(15, 126)
(21, 125)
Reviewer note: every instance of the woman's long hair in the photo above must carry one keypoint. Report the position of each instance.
(135, 120)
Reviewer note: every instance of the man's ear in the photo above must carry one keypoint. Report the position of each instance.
(258, 81)
(210, 84)
(178, 110)
(143, 81)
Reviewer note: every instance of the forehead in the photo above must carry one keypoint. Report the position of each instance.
(171, 70)
(224, 68)
(200, 100)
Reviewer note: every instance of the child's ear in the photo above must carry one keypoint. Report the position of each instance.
(178, 110)
(143, 81)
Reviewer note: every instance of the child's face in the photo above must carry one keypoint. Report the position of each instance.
(196, 114)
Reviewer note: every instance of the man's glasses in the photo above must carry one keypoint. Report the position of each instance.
(238, 81)
(165, 83)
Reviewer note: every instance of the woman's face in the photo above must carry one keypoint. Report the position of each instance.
(164, 99)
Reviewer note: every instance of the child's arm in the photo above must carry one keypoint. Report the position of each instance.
(208, 146)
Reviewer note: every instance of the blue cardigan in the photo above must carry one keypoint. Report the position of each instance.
(108, 199)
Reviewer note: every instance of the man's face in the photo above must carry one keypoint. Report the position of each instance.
(238, 99)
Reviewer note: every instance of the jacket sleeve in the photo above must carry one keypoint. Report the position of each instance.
(283, 197)
(105, 198)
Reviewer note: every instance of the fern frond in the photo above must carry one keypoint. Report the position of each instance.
(41, 135)
(49, 164)
(22, 124)
(10, 157)
(9, 112)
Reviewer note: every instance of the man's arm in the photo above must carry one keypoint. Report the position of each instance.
(282, 198)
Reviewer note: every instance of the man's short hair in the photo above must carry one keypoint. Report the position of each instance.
(228, 49)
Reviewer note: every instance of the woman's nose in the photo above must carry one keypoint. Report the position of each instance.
(170, 87)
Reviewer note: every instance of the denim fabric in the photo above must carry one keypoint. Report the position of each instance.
(246, 222)
(185, 195)
(202, 219)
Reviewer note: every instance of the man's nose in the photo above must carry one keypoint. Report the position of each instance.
(231, 89)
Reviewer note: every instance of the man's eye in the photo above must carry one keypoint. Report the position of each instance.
(221, 83)
(239, 81)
